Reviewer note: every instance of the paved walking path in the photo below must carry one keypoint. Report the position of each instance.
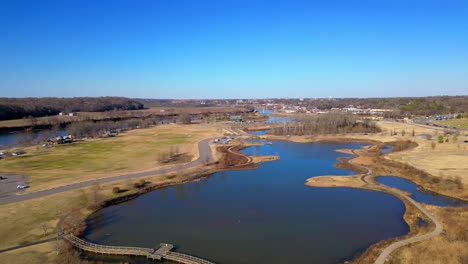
(438, 229)
(28, 244)
(392, 247)
(204, 156)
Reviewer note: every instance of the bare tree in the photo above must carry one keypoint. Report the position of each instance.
(45, 227)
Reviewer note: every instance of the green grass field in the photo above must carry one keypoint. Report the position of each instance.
(136, 150)
(459, 123)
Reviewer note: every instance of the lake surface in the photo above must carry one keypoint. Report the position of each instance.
(279, 119)
(12, 139)
(264, 111)
(266, 215)
(418, 194)
(259, 132)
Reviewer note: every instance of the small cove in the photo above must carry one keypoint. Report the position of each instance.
(419, 194)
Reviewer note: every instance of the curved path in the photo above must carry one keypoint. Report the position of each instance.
(437, 230)
(204, 156)
(392, 247)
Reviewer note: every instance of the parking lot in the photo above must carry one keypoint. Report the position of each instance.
(9, 183)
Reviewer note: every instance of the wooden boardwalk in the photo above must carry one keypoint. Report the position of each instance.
(162, 252)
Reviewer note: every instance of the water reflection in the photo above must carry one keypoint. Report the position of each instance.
(419, 194)
(268, 213)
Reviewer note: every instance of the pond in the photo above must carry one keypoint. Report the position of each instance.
(265, 215)
(386, 149)
(279, 119)
(264, 111)
(418, 194)
(259, 132)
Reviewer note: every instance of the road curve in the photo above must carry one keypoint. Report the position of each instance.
(392, 247)
(204, 156)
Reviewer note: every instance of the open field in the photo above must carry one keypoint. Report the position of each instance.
(42, 253)
(133, 151)
(23, 222)
(459, 123)
(445, 160)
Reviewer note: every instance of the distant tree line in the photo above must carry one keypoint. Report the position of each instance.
(17, 108)
(102, 128)
(431, 105)
(330, 123)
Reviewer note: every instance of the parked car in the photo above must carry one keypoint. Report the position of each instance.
(22, 186)
(19, 152)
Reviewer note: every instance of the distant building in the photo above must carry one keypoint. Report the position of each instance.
(236, 118)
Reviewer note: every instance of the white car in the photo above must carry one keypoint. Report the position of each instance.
(22, 186)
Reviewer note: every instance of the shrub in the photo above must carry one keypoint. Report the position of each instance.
(116, 190)
(441, 139)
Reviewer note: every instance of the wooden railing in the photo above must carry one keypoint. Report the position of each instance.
(134, 251)
(183, 258)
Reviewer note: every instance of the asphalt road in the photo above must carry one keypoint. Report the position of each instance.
(9, 182)
(11, 197)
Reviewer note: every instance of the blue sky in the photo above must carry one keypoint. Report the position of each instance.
(233, 49)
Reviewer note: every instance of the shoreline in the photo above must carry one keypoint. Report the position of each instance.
(379, 251)
(196, 175)
(186, 177)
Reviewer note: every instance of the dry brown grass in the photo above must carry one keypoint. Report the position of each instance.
(22, 222)
(336, 181)
(133, 151)
(451, 247)
(42, 253)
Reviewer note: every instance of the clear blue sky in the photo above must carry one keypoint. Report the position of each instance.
(233, 49)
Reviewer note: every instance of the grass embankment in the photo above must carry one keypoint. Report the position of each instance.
(439, 167)
(442, 169)
(24, 222)
(133, 151)
(450, 247)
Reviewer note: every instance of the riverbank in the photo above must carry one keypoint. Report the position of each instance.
(415, 214)
(135, 151)
(47, 212)
(110, 194)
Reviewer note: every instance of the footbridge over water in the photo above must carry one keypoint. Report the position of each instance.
(164, 251)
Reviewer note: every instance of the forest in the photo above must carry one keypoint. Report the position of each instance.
(330, 123)
(17, 108)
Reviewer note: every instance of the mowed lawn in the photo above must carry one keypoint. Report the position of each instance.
(133, 151)
(458, 123)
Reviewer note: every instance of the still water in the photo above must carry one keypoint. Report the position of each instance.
(11, 139)
(266, 215)
(418, 194)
